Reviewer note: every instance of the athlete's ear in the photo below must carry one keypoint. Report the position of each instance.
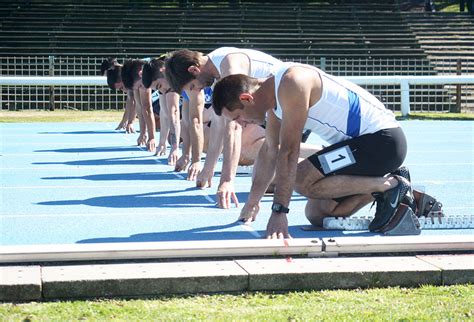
(140, 73)
(246, 97)
(193, 69)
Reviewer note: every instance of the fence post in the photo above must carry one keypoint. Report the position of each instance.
(51, 88)
(323, 64)
(405, 97)
(458, 89)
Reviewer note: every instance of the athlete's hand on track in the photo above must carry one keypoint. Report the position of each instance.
(129, 128)
(151, 145)
(194, 170)
(277, 227)
(160, 150)
(249, 212)
(173, 156)
(141, 141)
(225, 195)
(121, 126)
(204, 179)
(181, 164)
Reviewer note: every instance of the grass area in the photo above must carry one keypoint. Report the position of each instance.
(450, 8)
(437, 116)
(60, 116)
(427, 303)
(115, 116)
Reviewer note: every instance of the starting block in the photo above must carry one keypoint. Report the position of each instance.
(403, 223)
(245, 169)
(362, 223)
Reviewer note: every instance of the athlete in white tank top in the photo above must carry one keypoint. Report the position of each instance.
(344, 110)
(261, 65)
(366, 146)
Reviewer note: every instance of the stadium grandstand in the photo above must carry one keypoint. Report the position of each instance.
(343, 37)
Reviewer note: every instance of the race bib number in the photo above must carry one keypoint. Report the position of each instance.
(336, 159)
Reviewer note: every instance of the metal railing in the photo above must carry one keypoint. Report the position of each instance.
(79, 96)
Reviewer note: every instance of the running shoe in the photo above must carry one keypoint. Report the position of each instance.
(402, 172)
(409, 199)
(388, 202)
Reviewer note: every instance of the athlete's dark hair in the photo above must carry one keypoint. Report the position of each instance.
(112, 69)
(130, 70)
(177, 66)
(226, 93)
(153, 70)
(108, 63)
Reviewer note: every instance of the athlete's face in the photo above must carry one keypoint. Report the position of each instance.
(138, 84)
(161, 85)
(201, 81)
(120, 87)
(248, 115)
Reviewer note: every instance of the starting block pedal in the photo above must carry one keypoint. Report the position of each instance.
(403, 223)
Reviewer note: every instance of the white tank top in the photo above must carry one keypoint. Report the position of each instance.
(261, 65)
(344, 110)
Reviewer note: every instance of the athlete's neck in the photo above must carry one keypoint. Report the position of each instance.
(266, 93)
(208, 66)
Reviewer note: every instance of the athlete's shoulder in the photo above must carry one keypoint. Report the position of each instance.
(222, 51)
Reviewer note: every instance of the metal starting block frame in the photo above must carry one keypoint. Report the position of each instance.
(431, 222)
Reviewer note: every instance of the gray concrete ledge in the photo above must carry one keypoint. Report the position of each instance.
(339, 273)
(20, 283)
(24, 283)
(83, 281)
(455, 269)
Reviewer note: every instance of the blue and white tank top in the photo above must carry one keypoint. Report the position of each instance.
(344, 110)
(155, 96)
(207, 95)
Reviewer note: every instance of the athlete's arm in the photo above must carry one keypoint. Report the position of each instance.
(123, 122)
(145, 98)
(294, 95)
(142, 137)
(214, 149)
(196, 107)
(164, 126)
(131, 112)
(183, 161)
(264, 169)
(232, 132)
(172, 103)
(231, 155)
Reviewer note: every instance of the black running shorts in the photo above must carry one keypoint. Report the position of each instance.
(375, 154)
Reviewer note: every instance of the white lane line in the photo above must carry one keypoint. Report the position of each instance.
(440, 163)
(82, 144)
(250, 229)
(127, 186)
(106, 214)
(48, 153)
(212, 201)
(68, 168)
(176, 185)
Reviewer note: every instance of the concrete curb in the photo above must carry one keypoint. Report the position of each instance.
(20, 283)
(25, 283)
(339, 273)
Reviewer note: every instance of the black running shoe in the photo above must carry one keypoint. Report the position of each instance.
(388, 202)
(409, 199)
(402, 172)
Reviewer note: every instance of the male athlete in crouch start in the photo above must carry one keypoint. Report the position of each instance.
(362, 163)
